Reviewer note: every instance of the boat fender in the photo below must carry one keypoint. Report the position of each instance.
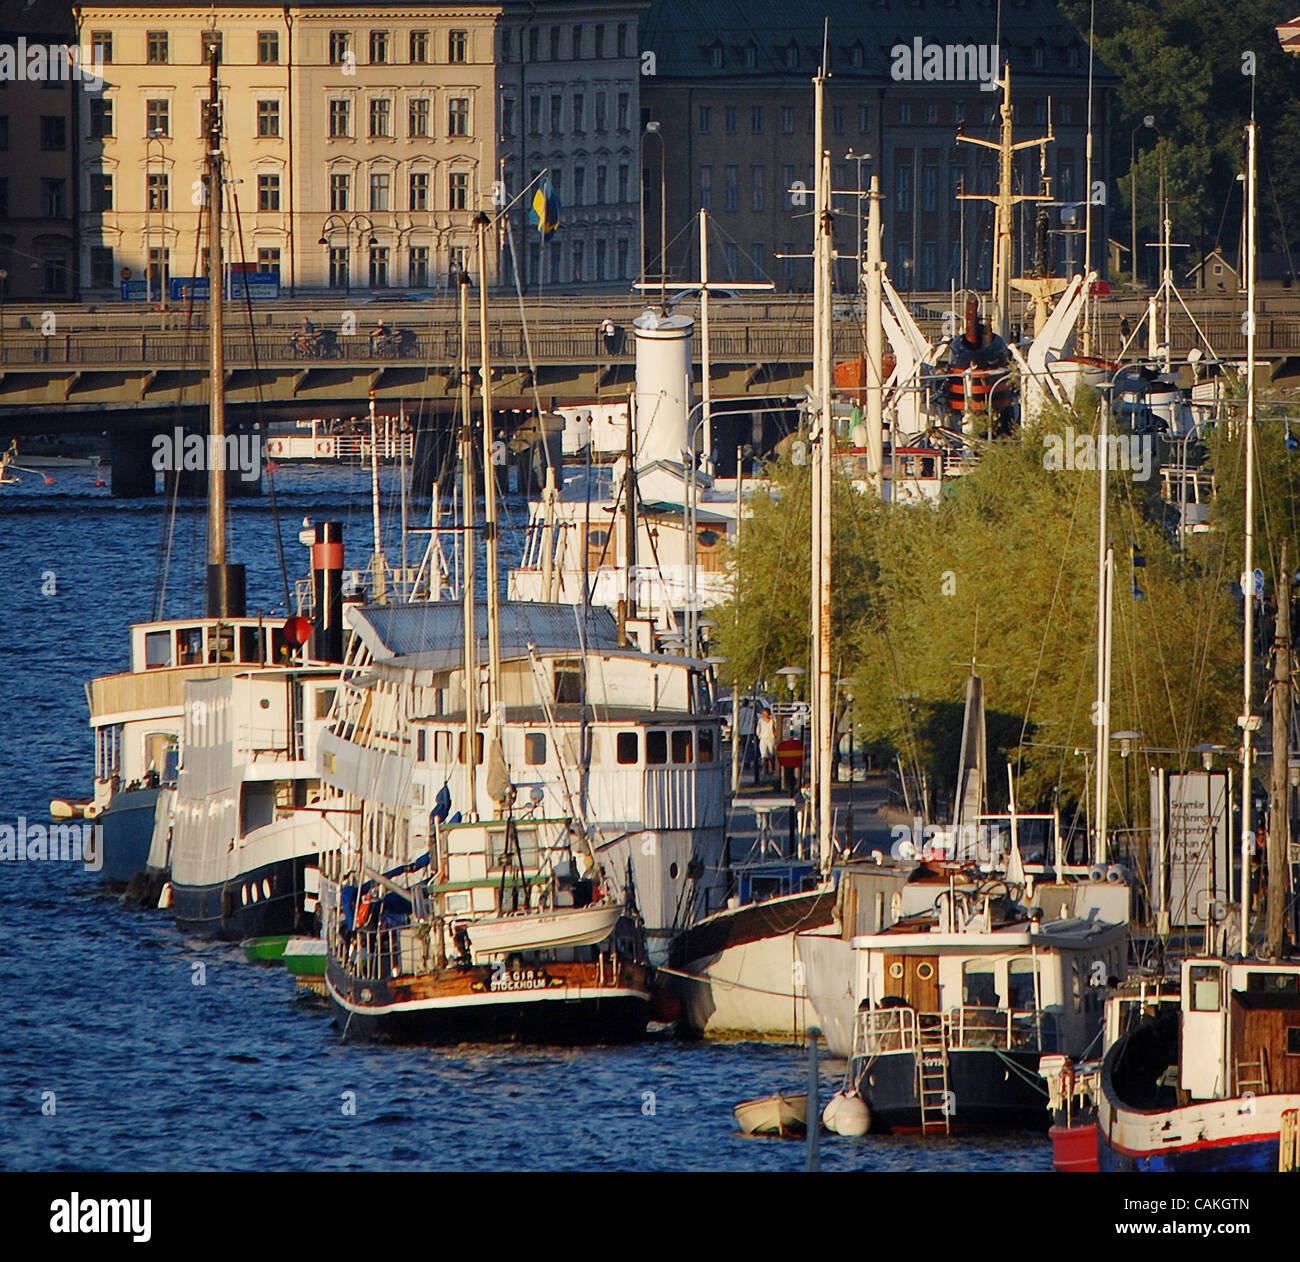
(165, 896)
(1096, 872)
(1116, 874)
(846, 1113)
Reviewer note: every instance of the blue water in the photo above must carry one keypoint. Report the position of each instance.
(145, 1069)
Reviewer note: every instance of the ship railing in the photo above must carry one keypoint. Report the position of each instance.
(881, 1030)
(378, 954)
(1006, 1029)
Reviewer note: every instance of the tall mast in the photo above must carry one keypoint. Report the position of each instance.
(481, 223)
(875, 343)
(1105, 583)
(1247, 719)
(468, 550)
(706, 364)
(225, 583)
(1279, 816)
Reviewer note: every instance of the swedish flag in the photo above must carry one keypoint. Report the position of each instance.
(545, 212)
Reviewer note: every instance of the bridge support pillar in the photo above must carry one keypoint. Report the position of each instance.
(131, 456)
(434, 459)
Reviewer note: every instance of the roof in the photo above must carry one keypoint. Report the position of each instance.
(682, 34)
(436, 628)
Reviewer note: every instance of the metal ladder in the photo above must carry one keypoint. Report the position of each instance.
(932, 1073)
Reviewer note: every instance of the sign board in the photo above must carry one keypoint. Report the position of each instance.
(256, 285)
(789, 754)
(1197, 851)
(136, 290)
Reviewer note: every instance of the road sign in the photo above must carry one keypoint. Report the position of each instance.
(789, 754)
(1259, 582)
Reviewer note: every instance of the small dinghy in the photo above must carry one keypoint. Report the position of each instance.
(265, 950)
(783, 1114)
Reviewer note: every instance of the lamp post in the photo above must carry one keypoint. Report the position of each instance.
(652, 129)
(858, 158)
(847, 686)
(364, 226)
(1127, 741)
(1148, 120)
(155, 137)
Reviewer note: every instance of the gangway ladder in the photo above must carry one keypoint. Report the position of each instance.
(932, 1053)
(1253, 1075)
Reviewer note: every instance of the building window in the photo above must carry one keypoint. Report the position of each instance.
(534, 115)
(268, 48)
(378, 48)
(54, 199)
(579, 253)
(458, 116)
(751, 57)
(157, 194)
(579, 184)
(380, 108)
(756, 120)
(340, 190)
(729, 120)
(837, 119)
(378, 267)
(380, 184)
(757, 181)
(458, 190)
(622, 39)
(602, 184)
(928, 259)
(787, 183)
(54, 132)
(706, 120)
(101, 117)
(457, 259)
(211, 43)
(599, 40)
(156, 42)
(417, 268)
(904, 112)
(417, 119)
(555, 43)
(579, 113)
(507, 45)
(4, 131)
(732, 188)
(101, 192)
(787, 120)
(55, 273)
(929, 187)
(624, 182)
(102, 273)
(864, 119)
(731, 252)
(419, 48)
(787, 264)
(507, 118)
(792, 56)
(157, 118)
(602, 112)
(903, 188)
(715, 57)
(268, 118)
(623, 255)
(268, 260)
(4, 214)
(757, 253)
(419, 190)
(706, 186)
(268, 192)
(600, 259)
(101, 46)
(577, 43)
(340, 118)
(160, 270)
(931, 113)
(340, 47)
(624, 110)
(457, 46)
(338, 267)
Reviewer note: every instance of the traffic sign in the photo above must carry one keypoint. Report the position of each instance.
(789, 753)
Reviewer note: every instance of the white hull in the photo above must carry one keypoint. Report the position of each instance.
(583, 926)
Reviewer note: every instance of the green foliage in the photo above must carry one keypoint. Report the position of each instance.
(1002, 571)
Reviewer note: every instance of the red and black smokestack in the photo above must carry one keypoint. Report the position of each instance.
(327, 590)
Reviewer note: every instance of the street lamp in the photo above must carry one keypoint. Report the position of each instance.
(847, 686)
(155, 137)
(1148, 120)
(652, 129)
(858, 158)
(363, 224)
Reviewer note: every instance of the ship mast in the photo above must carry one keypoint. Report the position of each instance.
(1248, 721)
(225, 583)
(467, 554)
(1279, 815)
(1004, 201)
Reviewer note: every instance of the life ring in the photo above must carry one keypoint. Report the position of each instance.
(323, 447)
(363, 910)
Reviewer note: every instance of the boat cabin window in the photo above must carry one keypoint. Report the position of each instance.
(250, 644)
(535, 748)
(157, 649)
(442, 747)
(221, 643)
(324, 701)
(1293, 1040)
(682, 742)
(478, 747)
(500, 842)
(189, 646)
(279, 645)
(978, 987)
(568, 683)
(656, 748)
(1273, 983)
(1205, 984)
(627, 748)
(704, 744)
(419, 744)
(1020, 986)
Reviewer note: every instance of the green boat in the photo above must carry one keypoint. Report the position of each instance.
(305, 957)
(265, 950)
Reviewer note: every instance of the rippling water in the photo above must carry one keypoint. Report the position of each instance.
(145, 1069)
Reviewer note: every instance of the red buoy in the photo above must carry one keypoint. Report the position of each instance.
(297, 630)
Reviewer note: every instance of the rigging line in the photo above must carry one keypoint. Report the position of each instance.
(261, 402)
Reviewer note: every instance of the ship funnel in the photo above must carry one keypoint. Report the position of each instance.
(327, 591)
(663, 386)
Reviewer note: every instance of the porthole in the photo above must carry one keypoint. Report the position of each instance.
(254, 891)
(672, 871)
(266, 888)
(243, 895)
(896, 970)
(925, 971)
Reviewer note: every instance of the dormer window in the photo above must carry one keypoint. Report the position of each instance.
(792, 56)
(751, 57)
(715, 57)
(856, 58)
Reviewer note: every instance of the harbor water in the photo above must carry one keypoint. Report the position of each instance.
(131, 1046)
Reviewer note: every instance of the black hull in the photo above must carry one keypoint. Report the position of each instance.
(990, 1091)
(221, 910)
(126, 833)
(607, 1019)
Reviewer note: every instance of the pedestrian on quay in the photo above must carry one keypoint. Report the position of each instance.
(766, 730)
